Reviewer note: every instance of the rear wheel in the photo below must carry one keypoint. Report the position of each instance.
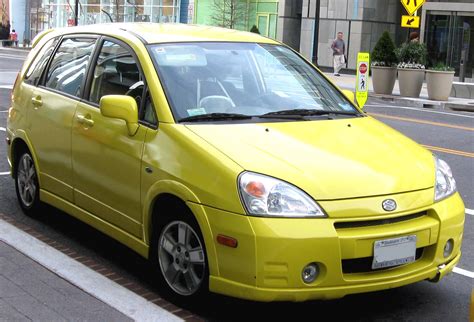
(26, 184)
(179, 256)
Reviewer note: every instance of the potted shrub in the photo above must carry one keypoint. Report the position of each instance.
(439, 81)
(384, 65)
(254, 29)
(411, 68)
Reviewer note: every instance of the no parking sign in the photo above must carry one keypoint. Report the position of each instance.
(362, 78)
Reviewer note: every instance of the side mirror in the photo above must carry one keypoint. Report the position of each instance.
(349, 95)
(121, 107)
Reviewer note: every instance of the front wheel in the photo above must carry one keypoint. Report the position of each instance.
(26, 184)
(179, 256)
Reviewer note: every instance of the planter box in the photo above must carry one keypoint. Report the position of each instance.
(439, 84)
(383, 79)
(410, 81)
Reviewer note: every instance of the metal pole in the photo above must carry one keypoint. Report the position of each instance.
(76, 12)
(314, 59)
(462, 66)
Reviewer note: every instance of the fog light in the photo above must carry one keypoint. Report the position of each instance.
(448, 248)
(309, 273)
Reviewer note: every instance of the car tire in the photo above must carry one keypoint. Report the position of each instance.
(179, 257)
(26, 184)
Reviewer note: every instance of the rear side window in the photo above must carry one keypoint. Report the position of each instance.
(36, 68)
(69, 65)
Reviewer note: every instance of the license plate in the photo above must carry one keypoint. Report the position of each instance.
(394, 251)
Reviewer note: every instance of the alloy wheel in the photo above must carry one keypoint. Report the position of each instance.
(26, 180)
(181, 258)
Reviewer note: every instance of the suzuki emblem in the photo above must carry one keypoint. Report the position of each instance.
(389, 205)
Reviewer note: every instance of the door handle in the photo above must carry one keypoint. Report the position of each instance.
(85, 120)
(36, 101)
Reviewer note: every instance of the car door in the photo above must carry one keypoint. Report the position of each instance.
(53, 105)
(106, 159)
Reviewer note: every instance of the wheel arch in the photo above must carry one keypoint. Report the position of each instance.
(168, 194)
(21, 143)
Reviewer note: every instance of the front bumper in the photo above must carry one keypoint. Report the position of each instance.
(267, 264)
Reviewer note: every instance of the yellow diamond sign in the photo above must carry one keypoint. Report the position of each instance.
(412, 5)
(411, 21)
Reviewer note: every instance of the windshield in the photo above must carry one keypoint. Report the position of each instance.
(247, 79)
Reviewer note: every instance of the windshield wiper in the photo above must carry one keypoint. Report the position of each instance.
(298, 112)
(215, 116)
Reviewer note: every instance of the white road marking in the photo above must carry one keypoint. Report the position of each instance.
(463, 272)
(7, 86)
(99, 286)
(4, 173)
(420, 110)
(3, 129)
(470, 212)
(12, 57)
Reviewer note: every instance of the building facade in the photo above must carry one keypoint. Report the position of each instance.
(310, 26)
(4, 19)
(44, 14)
(261, 13)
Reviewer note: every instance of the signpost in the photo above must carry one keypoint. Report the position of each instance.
(412, 5)
(411, 21)
(362, 78)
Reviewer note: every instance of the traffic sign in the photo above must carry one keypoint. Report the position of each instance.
(412, 5)
(362, 77)
(411, 21)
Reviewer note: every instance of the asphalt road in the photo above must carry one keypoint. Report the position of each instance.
(449, 134)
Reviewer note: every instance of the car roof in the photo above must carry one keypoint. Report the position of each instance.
(154, 33)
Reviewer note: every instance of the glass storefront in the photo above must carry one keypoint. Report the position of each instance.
(60, 13)
(450, 40)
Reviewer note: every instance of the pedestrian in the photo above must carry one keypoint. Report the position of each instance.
(414, 37)
(14, 37)
(338, 51)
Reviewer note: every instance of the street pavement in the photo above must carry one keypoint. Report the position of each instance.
(448, 134)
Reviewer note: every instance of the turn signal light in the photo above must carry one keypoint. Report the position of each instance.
(227, 241)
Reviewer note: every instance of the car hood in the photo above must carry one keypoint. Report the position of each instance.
(329, 159)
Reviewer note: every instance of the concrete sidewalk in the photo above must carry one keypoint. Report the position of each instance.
(346, 81)
(28, 291)
(39, 282)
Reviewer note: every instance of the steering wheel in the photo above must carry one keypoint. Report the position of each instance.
(136, 91)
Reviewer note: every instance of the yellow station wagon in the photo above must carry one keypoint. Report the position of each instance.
(230, 162)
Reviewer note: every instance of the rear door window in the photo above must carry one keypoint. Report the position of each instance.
(69, 65)
(36, 68)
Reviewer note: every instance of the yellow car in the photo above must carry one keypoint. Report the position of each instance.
(230, 162)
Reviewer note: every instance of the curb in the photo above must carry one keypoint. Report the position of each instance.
(455, 104)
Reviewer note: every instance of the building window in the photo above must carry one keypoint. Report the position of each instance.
(60, 13)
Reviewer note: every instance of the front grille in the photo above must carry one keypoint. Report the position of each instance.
(364, 265)
(377, 222)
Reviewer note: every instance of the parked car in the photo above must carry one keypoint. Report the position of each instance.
(228, 161)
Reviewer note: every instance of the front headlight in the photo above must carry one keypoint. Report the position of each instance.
(269, 197)
(445, 183)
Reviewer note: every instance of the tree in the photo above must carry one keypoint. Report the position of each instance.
(229, 13)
